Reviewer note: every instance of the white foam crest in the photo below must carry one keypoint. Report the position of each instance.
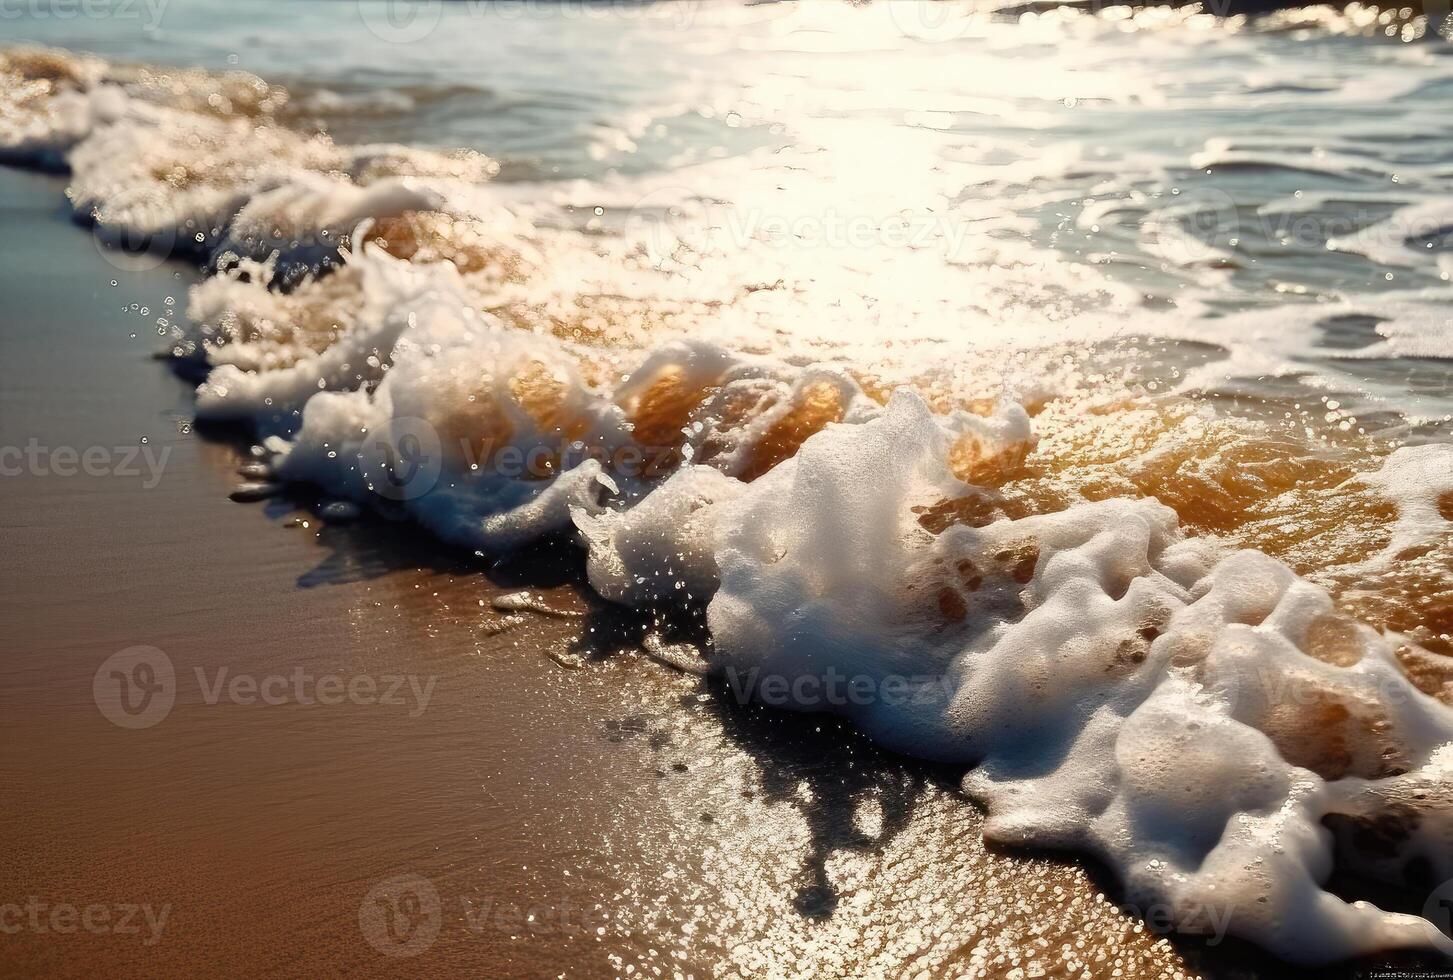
(157, 172)
(1221, 152)
(192, 163)
(1412, 324)
(659, 551)
(1121, 690)
(1390, 241)
(234, 318)
(43, 138)
(317, 207)
(1416, 479)
(447, 374)
(247, 390)
(771, 393)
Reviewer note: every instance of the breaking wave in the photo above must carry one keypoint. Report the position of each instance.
(1209, 649)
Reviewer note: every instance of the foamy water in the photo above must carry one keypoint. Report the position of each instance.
(1062, 395)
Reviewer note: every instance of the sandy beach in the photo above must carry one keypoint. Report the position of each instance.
(437, 543)
(572, 820)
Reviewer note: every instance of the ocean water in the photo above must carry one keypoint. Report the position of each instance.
(1060, 394)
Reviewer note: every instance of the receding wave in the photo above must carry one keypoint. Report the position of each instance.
(1211, 648)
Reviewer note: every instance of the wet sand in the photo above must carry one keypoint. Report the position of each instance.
(576, 808)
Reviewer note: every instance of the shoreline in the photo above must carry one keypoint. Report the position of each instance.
(1207, 640)
(624, 791)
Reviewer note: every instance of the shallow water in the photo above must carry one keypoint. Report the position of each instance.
(702, 835)
(1107, 263)
(1119, 175)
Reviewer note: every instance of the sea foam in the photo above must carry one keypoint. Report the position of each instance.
(1200, 718)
